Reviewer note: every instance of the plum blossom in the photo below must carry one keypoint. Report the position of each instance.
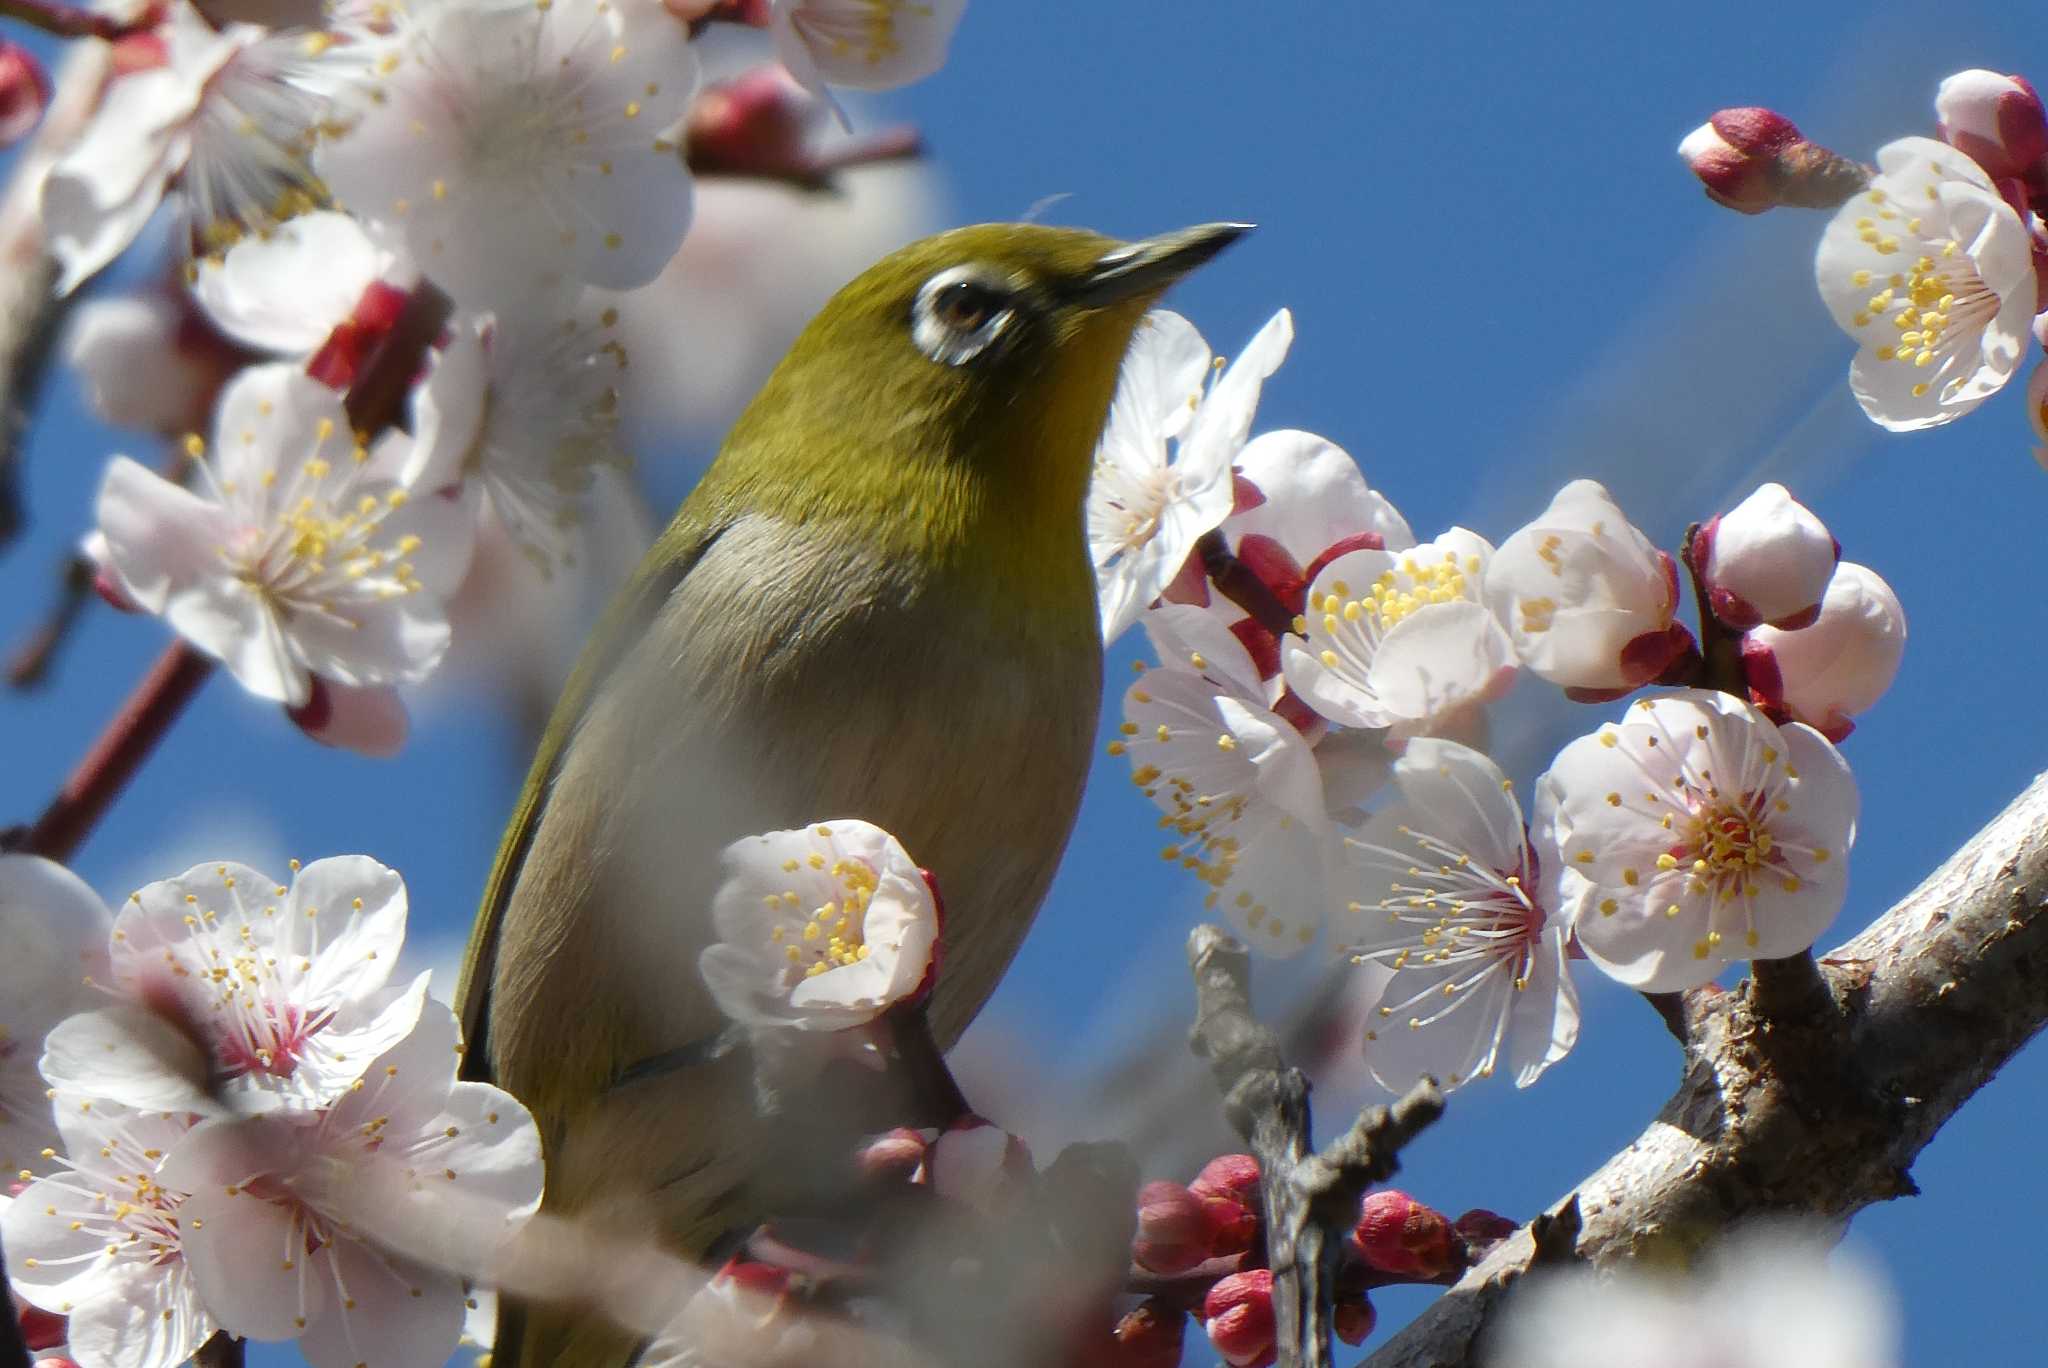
(1401, 639)
(537, 129)
(862, 44)
(299, 555)
(1238, 785)
(1445, 890)
(1694, 832)
(1162, 472)
(101, 1238)
(386, 1167)
(1932, 273)
(288, 290)
(229, 115)
(1825, 674)
(1768, 559)
(1586, 597)
(820, 929)
(286, 984)
(53, 946)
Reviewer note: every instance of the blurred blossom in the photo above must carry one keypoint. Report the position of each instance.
(53, 946)
(862, 44)
(299, 555)
(1444, 889)
(1401, 639)
(369, 719)
(1996, 121)
(101, 1239)
(24, 92)
(1932, 273)
(515, 146)
(1238, 785)
(1768, 1299)
(1826, 674)
(1163, 468)
(289, 289)
(147, 361)
(821, 929)
(229, 114)
(979, 1164)
(1694, 832)
(1768, 559)
(1586, 597)
(336, 1188)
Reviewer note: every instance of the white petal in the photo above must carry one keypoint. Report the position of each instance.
(152, 1318)
(865, 44)
(159, 535)
(1315, 497)
(1439, 658)
(249, 1263)
(127, 1055)
(403, 1316)
(285, 290)
(360, 908)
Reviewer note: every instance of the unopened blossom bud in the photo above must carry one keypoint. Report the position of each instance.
(149, 361)
(1397, 1234)
(1768, 559)
(1173, 1229)
(1353, 1318)
(1228, 1187)
(1238, 1315)
(1996, 121)
(24, 92)
(1824, 675)
(1753, 159)
(1149, 1336)
(896, 1156)
(755, 125)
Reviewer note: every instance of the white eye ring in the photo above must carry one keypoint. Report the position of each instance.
(961, 313)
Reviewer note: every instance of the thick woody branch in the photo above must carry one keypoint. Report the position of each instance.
(1310, 1198)
(1822, 1113)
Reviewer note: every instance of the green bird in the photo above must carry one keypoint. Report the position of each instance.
(877, 603)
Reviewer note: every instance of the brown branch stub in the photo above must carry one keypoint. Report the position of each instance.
(1929, 1001)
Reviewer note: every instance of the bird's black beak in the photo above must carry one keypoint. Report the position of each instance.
(1147, 267)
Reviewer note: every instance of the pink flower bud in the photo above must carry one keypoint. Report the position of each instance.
(1996, 121)
(1228, 1188)
(24, 92)
(895, 1157)
(757, 124)
(1238, 1314)
(1173, 1229)
(977, 1163)
(1353, 1319)
(1735, 155)
(1768, 559)
(1149, 1337)
(1399, 1235)
(1825, 674)
(42, 1329)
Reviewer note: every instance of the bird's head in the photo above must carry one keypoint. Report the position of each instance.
(960, 381)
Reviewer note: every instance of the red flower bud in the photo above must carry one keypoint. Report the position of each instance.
(1353, 1320)
(1238, 1315)
(1482, 1229)
(1149, 1337)
(1752, 159)
(1174, 1232)
(24, 92)
(1399, 1235)
(1228, 1187)
(895, 1157)
(757, 124)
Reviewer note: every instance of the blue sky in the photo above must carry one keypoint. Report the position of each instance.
(1502, 278)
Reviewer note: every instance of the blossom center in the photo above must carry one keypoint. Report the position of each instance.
(865, 26)
(832, 935)
(1936, 308)
(1729, 845)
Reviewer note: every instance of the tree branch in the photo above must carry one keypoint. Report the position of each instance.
(1929, 1003)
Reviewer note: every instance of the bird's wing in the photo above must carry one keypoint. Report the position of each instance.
(665, 566)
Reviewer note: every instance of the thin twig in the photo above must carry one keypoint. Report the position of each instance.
(28, 664)
(1240, 584)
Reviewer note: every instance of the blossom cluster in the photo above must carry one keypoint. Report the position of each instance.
(1314, 733)
(1935, 260)
(396, 329)
(240, 1123)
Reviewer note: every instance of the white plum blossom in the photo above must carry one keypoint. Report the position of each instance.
(1768, 559)
(1827, 673)
(821, 928)
(289, 289)
(1586, 597)
(511, 146)
(1401, 640)
(285, 983)
(299, 554)
(1769, 1298)
(1932, 273)
(528, 404)
(53, 947)
(862, 44)
(147, 361)
(387, 1166)
(1695, 832)
(1443, 890)
(1238, 786)
(1163, 469)
(229, 114)
(100, 1239)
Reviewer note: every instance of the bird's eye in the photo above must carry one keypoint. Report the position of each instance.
(963, 313)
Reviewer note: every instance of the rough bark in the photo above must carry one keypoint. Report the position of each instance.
(1794, 1101)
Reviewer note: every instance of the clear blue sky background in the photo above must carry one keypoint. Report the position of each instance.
(1502, 277)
